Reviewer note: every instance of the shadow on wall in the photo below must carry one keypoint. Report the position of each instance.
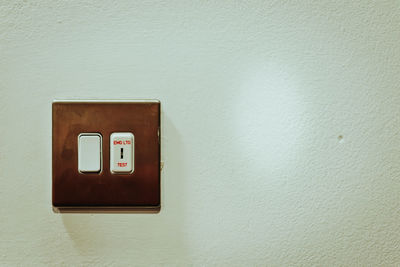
(140, 236)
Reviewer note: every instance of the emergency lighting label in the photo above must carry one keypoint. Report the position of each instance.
(122, 142)
(122, 153)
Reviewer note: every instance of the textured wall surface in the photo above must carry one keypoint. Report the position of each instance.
(281, 129)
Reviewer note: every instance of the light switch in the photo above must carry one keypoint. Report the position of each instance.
(122, 152)
(106, 155)
(89, 152)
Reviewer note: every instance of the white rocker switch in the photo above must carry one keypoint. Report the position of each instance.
(89, 152)
(122, 147)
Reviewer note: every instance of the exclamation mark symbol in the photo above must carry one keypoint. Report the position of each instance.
(122, 153)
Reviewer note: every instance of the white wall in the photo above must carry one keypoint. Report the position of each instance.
(281, 129)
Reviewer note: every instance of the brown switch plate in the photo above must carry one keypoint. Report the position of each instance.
(73, 191)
